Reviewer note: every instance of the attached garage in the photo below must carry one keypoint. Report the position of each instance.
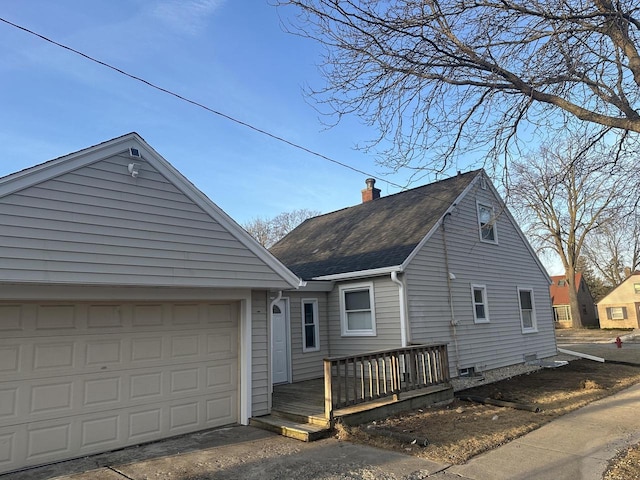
(115, 333)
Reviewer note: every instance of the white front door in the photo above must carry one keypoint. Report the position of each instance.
(280, 342)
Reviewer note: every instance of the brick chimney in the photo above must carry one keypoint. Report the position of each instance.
(371, 192)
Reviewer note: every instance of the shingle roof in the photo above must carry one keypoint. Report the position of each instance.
(560, 293)
(376, 234)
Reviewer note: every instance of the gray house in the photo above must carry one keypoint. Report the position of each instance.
(443, 263)
(131, 307)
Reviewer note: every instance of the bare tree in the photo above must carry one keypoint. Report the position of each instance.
(563, 195)
(439, 78)
(268, 231)
(616, 247)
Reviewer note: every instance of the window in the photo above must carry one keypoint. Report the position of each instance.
(357, 313)
(486, 221)
(527, 310)
(616, 313)
(310, 327)
(561, 283)
(562, 313)
(636, 288)
(480, 306)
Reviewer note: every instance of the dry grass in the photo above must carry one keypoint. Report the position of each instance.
(625, 466)
(461, 430)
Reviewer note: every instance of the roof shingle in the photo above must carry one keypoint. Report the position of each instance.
(376, 234)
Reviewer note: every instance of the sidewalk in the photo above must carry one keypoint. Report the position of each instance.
(573, 447)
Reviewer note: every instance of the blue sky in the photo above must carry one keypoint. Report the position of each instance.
(231, 55)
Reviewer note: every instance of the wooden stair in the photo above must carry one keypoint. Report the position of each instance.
(300, 427)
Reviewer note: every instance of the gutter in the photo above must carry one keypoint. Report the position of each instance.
(404, 328)
(374, 272)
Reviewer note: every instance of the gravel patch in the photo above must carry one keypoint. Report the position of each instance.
(497, 374)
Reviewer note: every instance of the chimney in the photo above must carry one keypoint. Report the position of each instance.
(371, 192)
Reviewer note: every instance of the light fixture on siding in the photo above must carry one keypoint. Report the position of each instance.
(451, 276)
(134, 169)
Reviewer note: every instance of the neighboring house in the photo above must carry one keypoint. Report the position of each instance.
(442, 263)
(131, 307)
(560, 300)
(621, 308)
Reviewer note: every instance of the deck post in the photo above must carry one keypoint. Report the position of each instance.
(328, 393)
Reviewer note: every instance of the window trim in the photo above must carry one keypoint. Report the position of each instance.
(493, 222)
(316, 325)
(485, 303)
(343, 289)
(534, 321)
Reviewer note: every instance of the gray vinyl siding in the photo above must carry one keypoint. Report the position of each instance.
(260, 388)
(307, 365)
(501, 268)
(387, 318)
(98, 225)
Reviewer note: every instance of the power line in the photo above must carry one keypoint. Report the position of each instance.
(188, 100)
(204, 107)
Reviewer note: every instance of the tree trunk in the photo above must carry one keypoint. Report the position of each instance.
(576, 315)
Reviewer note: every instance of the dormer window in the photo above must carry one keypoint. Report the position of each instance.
(487, 223)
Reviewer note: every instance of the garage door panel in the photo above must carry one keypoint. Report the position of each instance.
(7, 448)
(80, 379)
(10, 358)
(11, 318)
(102, 433)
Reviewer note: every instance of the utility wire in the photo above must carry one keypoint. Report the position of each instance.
(200, 105)
(192, 102)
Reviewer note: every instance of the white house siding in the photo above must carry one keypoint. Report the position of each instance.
(307, 365)
(502, 268)
(260, 389)
(387, 308)
(99, 225)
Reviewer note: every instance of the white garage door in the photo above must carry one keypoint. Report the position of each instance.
(80, 378)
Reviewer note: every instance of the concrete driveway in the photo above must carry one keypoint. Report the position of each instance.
(239, 453)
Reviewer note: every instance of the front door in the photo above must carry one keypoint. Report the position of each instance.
(280, 342)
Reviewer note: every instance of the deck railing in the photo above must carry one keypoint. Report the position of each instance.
(355, 379)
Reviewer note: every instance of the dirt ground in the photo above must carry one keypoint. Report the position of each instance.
(456, 432)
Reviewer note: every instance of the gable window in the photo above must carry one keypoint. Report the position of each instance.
(480, 306)
(527, 310)
(636, 288)
(357, 313)
(486, 222)
(616, 313)
(310, 326)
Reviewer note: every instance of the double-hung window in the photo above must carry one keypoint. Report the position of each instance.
(487, 223)
(527, 310)
(616, 313)
(480, 304)
(357, 312)
(310, 326)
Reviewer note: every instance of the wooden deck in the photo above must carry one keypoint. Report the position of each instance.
(301, 398)
(306, 399)
(360, 388)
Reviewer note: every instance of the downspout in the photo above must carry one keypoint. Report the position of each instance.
(404, 330)
(453, 322)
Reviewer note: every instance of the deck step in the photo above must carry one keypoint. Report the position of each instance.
(301, 418)
(288, 428)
